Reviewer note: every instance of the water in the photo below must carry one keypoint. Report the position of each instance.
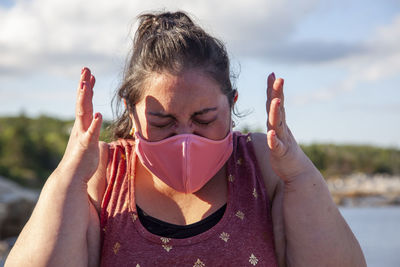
(378, 232)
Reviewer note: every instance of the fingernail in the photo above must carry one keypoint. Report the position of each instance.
(273, 75)
(96, 116)
(279, 102)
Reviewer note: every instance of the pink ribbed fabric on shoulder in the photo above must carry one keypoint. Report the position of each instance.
(243, 237)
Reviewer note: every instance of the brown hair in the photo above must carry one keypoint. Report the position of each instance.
(168, 42)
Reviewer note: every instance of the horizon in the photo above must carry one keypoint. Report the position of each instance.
(240, 129)
(340, 60)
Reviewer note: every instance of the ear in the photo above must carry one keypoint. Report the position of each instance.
(132, 119)
(128, 109)
(235, 98)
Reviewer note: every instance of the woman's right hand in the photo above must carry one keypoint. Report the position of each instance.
(82, 153)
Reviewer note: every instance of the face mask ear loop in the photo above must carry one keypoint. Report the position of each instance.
(235, 97)
(232, 124)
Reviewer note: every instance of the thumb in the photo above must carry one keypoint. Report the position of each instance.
(93, 133)
(275, 145)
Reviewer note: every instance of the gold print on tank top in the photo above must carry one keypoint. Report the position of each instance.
(165, 245)
(248, 139)
(134, 217)
(137, 265)
(231, 178)
(224, 236)
(199, 263)
(123, 157)
(240, 215)
(239, 161)
(165, 240)
(116, 247)
(253, 260)
(255, 193)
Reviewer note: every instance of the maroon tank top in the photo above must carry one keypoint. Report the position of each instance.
(243, 237)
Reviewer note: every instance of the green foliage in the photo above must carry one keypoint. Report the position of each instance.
(334, 160)
(247, 129)
(30, 149)
(106, 134)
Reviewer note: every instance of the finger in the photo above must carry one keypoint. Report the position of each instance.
(275, 144)
(270, 83)
(92, 82)
(93, 132)
(84, 106)
(277, 90)
(275, 118)
(85, 73)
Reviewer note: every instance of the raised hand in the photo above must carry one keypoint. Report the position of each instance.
(287, 158)
(82, 154)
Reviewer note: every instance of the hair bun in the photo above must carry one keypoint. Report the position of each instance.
(153, 24)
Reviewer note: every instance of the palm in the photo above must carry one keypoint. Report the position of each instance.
(82, 153)
(287, 159)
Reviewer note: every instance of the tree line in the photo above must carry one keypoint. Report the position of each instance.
(31, 148)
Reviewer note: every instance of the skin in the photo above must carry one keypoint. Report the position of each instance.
(308, 228)
(171, 105)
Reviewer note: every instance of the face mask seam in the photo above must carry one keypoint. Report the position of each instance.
(186, 162)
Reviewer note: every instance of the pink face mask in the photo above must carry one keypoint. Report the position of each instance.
(185, 162)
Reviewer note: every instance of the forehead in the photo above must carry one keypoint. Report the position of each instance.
(192, 89)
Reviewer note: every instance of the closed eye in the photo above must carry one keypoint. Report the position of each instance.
(205, 122)
(163, 120)
(203, 117)
(164, 125)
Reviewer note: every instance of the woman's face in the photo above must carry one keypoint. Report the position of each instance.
(191, 103)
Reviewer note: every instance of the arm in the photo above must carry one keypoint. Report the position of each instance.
(314, 233)
(57, 232)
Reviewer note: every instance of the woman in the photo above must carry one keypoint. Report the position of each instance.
(178, 187)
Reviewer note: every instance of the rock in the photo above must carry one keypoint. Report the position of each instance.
(16, 205)
(5, 247)
(365, 190)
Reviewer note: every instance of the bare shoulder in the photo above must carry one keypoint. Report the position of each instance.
(271, 180)
(97, 183)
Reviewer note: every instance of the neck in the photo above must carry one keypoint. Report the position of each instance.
(153, 194)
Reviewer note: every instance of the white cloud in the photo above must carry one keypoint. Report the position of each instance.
(60, 36)
(377, 59)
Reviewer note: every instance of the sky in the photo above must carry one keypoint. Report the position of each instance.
(340, 59)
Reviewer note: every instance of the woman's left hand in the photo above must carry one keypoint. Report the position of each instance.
(287, 158)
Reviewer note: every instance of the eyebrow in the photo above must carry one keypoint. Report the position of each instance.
(162, 115)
